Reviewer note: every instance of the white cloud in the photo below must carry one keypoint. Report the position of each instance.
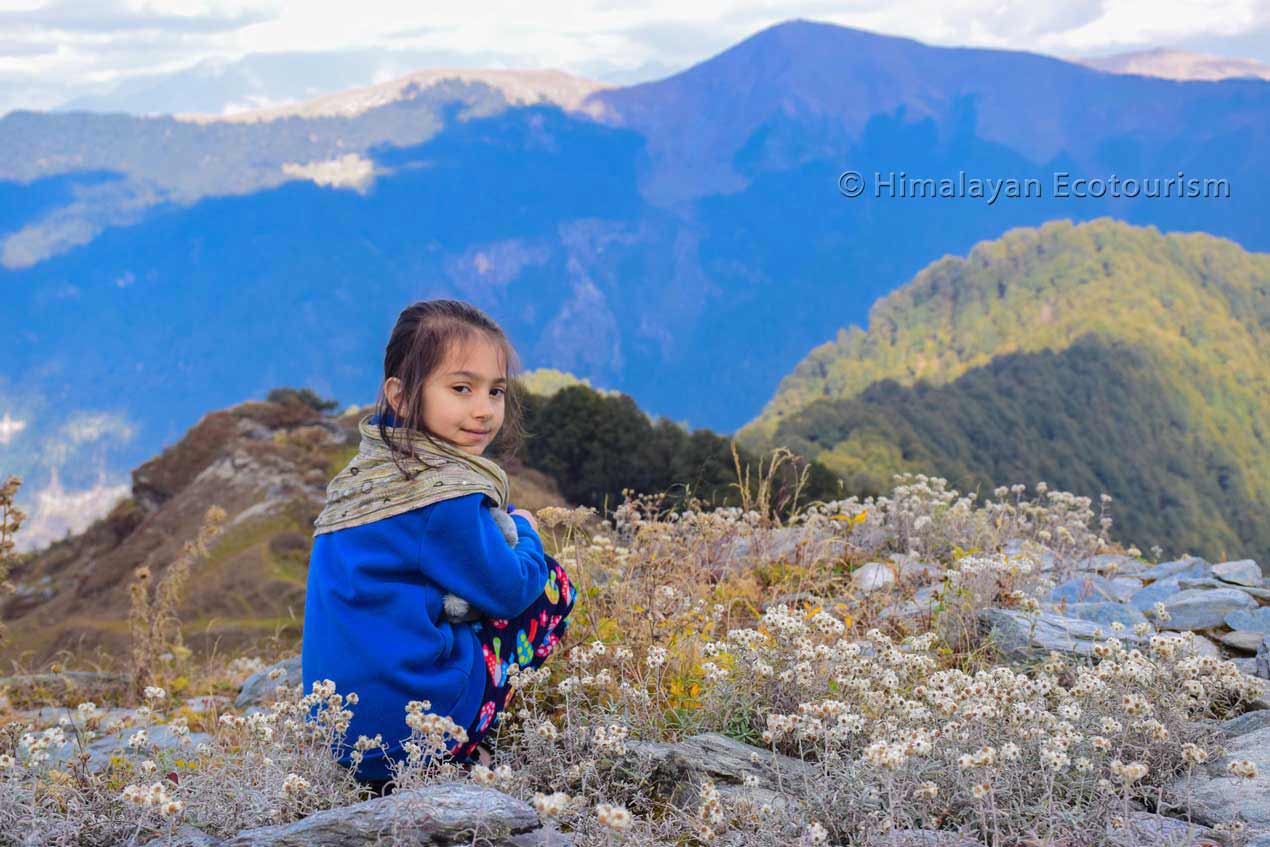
(72, 48)
(9, 428)
(57, 511)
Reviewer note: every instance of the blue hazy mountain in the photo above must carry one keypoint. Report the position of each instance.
(688, 246)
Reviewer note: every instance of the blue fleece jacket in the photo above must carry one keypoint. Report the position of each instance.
(372, 613)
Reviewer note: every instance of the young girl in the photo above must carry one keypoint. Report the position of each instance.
(420, 586)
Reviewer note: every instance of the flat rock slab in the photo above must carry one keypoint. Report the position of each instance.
(1106, 613)
(446, 813)
(1150, 830)
(1243, 640)
(1185, 583)
(1240, 572)
(1246, 723)
(83, 682)
(1157, 592)
(922, 838)
(1092, 588)
(1217, 797)
(1188, 566)
(1030, 636)
(1114, 563)
(1251, 620)
(1198, 608)
(259, 687)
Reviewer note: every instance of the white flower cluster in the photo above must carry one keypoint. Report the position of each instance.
(154, 797)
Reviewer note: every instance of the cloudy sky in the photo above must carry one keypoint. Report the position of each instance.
(69, 51)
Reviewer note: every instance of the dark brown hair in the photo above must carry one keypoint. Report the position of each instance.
(425, 333)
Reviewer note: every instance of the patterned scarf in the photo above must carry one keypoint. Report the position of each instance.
(370, 487)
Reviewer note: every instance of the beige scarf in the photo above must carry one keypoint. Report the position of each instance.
(370, 487)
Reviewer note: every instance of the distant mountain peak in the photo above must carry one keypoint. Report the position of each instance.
(1184, 65)
(520, 87)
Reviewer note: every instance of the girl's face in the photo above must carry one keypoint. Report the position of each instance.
(463, 399)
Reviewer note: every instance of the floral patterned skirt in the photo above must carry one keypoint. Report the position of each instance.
(525, 640)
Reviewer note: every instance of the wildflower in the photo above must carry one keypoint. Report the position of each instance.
(503, 773)
(548, 731)
(926, 791)
(616, 818)
(138, 740)
(1131, 772)
(482, 775)
(294, 784)
(816, 834)
(980, 790)
(656, 656)
(551, 805)
(1194, 755)
(1243, 767)
(155, 693)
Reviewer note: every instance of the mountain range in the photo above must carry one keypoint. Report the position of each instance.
(684, 240)
(1099, 358)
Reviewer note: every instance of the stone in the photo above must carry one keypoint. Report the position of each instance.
(1217, 796)
(259, 687)
(921, 838)
(1186, 583)
(1199, 644)
(186, 835)
(1240, 572)
(1146, 828)
(1094, 588)
(446, 813)
(1201, 609)
(1245, 641)
(1113, 563)
(1246, 723)
(101, 748)
(1156, 592)
(872, 576)
(1105, 613)
(1192, 566)
(1024, 636)
(207, 702)
(1251, 620)
(65, 683)
(677, 769)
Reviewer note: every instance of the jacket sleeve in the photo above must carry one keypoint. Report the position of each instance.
(464, 552)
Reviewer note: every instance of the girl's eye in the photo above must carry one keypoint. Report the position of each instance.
(501, 391)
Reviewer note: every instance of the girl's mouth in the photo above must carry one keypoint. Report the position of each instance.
(477, 431)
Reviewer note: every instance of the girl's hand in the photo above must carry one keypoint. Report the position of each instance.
(529, 516)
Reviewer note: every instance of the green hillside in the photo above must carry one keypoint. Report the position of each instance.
(1098, 357)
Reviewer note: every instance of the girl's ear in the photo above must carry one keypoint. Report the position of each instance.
(392, 392)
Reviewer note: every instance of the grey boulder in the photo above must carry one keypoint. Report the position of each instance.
(1240, 572)
(259, 687)
(1218, 796)
(1198, 608)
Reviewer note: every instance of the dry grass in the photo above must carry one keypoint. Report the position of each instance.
(711, 620)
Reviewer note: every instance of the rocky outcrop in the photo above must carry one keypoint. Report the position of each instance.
(1217, 796)
(445, 814)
